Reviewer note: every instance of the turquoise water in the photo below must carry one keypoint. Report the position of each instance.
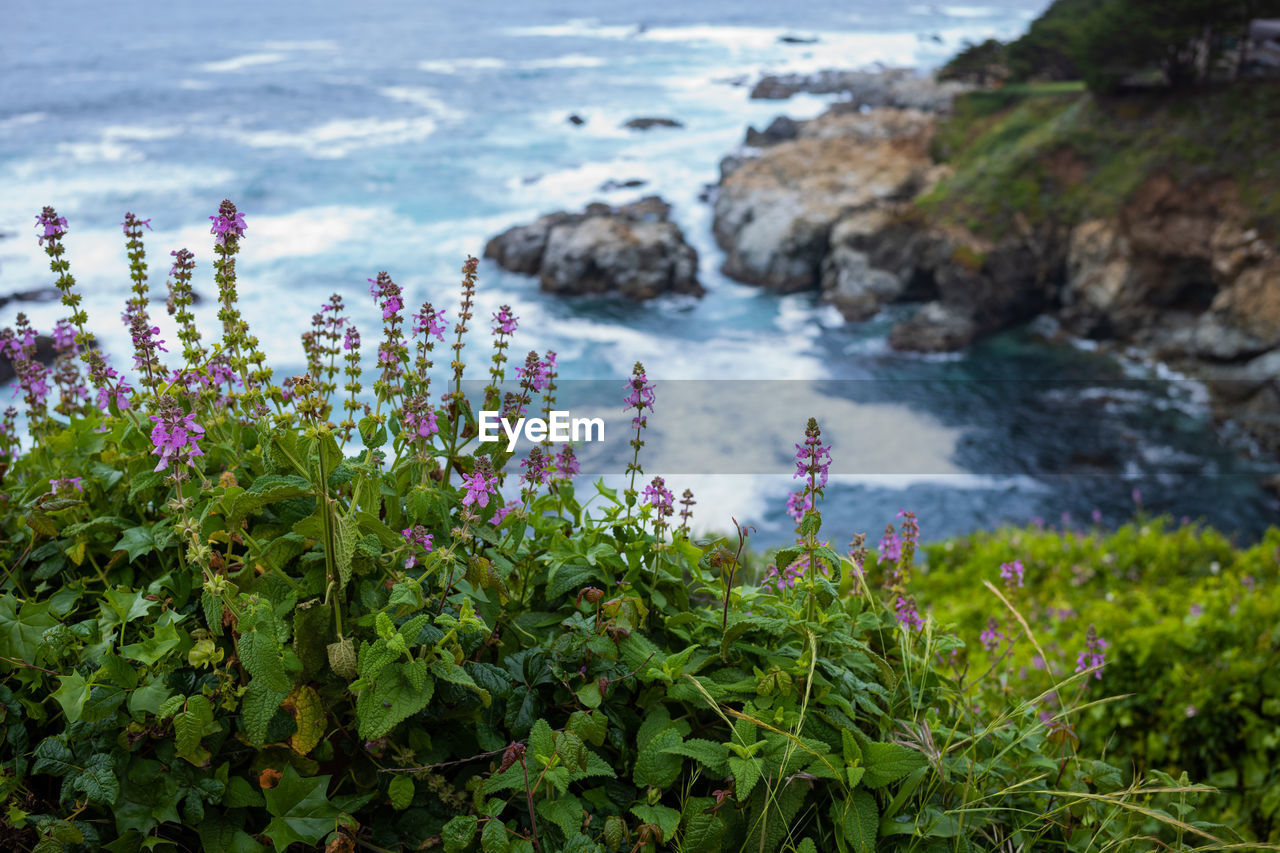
(393, 138)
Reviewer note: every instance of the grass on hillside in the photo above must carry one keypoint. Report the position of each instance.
(1054, 153)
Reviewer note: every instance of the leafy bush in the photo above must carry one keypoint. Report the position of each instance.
(232, 619)
(1192, 649)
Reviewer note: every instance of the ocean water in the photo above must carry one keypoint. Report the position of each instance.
(401, 136)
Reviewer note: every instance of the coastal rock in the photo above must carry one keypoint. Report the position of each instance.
(781, 129)
(934, 328)
(632, 250)
(774, 213)
(39, 294)
(629, 184)
(576, 120)
(648, 123)
(44, 354)
(895, 87)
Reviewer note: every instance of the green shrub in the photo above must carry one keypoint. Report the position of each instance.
(231, 620)
(1193, 655)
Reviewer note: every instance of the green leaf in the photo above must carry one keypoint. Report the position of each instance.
(858, 819)
(888, 762)
(98, 782)
(190, 727)
(345, 533)
(266, 490)
(493, 839)
(746, 773)
(136, 541)
(22, 626)
(458, 833)
(564, 811)
(54, 757)
(542, 741)
(262, 653)
(257, 707)
(703, 832)
(389, 701)
(149, 651)
(300, 810)
(446, 670)
(665, 818)
(144, 481)
(72, 693)
(400, 792)
(715, 756)
(656, 765)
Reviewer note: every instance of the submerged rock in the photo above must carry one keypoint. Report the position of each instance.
(648, 123)
(632, 250)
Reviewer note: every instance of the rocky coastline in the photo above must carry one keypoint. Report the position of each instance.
(1179, 273)
(632, 250)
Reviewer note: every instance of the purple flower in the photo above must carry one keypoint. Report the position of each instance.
(431, 321)
(657, 494)
(537, 371)
(418, 417)
(51, 224)
(387, 293)
(536, 467)
(640, 395)
(991, 637)
(228, 224)
(504, 322)
(66, 484)
(479, 485)
(64, 336)
(1094, 655)
(416, 535)
(174, 435)
(890, 550)
(352, 339)
(1196, 609)
(813, 458)
(907, 613)
(503, 511)
(910, 527)
(1011, 572)
(1137, 497)
(1097, 516)
(131, 221)
(567, 461)
(798, 503)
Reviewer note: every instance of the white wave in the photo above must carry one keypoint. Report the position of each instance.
(240, 63)
(572, 60)
(338, 138)
(461, 64)
(101, 151)
(421, 96)
(195, 85)
(22, 120)
(577, 27)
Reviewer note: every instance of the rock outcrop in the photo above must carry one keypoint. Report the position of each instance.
(632, 250)
(774, 213)
(648, 123)
(895, 87)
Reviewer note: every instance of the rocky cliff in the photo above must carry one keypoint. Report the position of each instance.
(1143, 224)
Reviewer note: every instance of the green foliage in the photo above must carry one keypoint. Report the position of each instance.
(192, 663)
(1191, 623)
(1047, 155)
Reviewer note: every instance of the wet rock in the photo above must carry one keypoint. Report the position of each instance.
(790, 39)
(576, 120)
(39, 294)
(649, 123)
(612, 184)
(632, 250)
(934, 328)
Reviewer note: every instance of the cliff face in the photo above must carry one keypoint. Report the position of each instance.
(1150, 224)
